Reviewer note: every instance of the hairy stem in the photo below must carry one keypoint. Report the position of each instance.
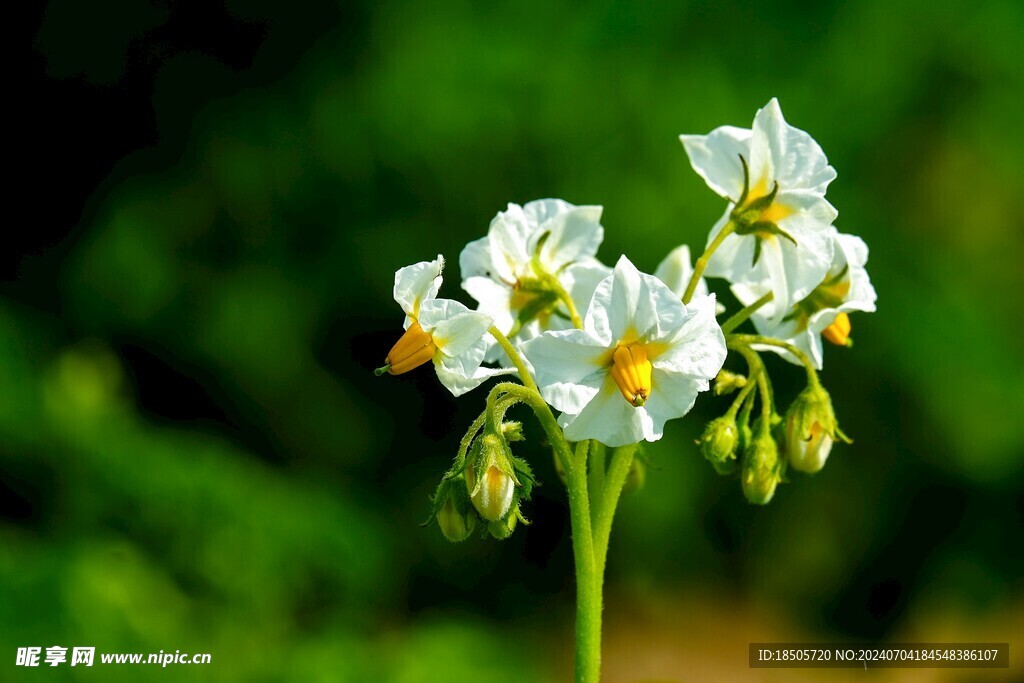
(517, 360)
(618, 471)
(737, 340)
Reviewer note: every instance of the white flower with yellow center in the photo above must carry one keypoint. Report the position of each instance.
(505, 270)
(438, 330)
(774, 176)
(824, 312)
(641, 359)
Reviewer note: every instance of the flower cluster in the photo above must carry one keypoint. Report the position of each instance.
(617, 353)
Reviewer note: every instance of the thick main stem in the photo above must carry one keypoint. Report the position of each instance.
(615, 480)
(588, 584)
(589, 545)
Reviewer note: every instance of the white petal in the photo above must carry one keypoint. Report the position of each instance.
(716, 158)
(455, 374)
(417, 283)
(581, 280)
(614, 306)
(855, 251)
(611, 420)
(494, 299)
(794, 159)
(697, 347)
(454, 327)
(475, 259)
(568, 367)
(575, 234)
(508, 239)
(795, 332)
(677, 269)
(672, 395)
(861, 296)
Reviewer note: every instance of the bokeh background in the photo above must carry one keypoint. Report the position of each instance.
(209, 203)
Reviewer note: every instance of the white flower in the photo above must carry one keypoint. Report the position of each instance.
(640, 360)
(775, 177)
(501, 273)
(676, 269)
(824, 311)
(438, 330)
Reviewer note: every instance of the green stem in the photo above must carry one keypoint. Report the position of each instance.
(702, 262)
(563, 296)
(499, 407)
(588, 585)
(756, 365)
(748, 339)
(517, 360)
(740, 317)
(595, 474)
(618, 472)
(752, 376)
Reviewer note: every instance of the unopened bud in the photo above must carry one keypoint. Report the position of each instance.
(718, 443)
(727, 382)
(492, 490)
(762, 470)
(811, 428)
(454, 525)
(503, 528)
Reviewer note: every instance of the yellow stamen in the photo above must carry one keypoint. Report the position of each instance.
(414, 349)
(632, 372)
(839, 331)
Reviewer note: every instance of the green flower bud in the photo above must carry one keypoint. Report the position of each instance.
(492, 491)
(810, 430)
(503, 528)
(762, 469)
(454, 525)
(727, 382)
(718, 443)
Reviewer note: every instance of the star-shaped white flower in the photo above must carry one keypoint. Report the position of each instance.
(775, 177)
(500, 270)
(824, 311)
(641, 359)
(438, 330)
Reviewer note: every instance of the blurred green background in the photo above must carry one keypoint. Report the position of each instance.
(195, 454)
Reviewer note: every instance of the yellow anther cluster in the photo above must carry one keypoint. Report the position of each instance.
(839, 331)
(632, 373)
(414, 349)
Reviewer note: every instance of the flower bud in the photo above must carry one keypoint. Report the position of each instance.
(727, 382)
(762, 469)
(454, 525)
(491, 491)
(503, 528)
(810, 429)
(718, 443)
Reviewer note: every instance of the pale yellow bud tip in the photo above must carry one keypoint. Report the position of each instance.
(632, 373)
(414, 349)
